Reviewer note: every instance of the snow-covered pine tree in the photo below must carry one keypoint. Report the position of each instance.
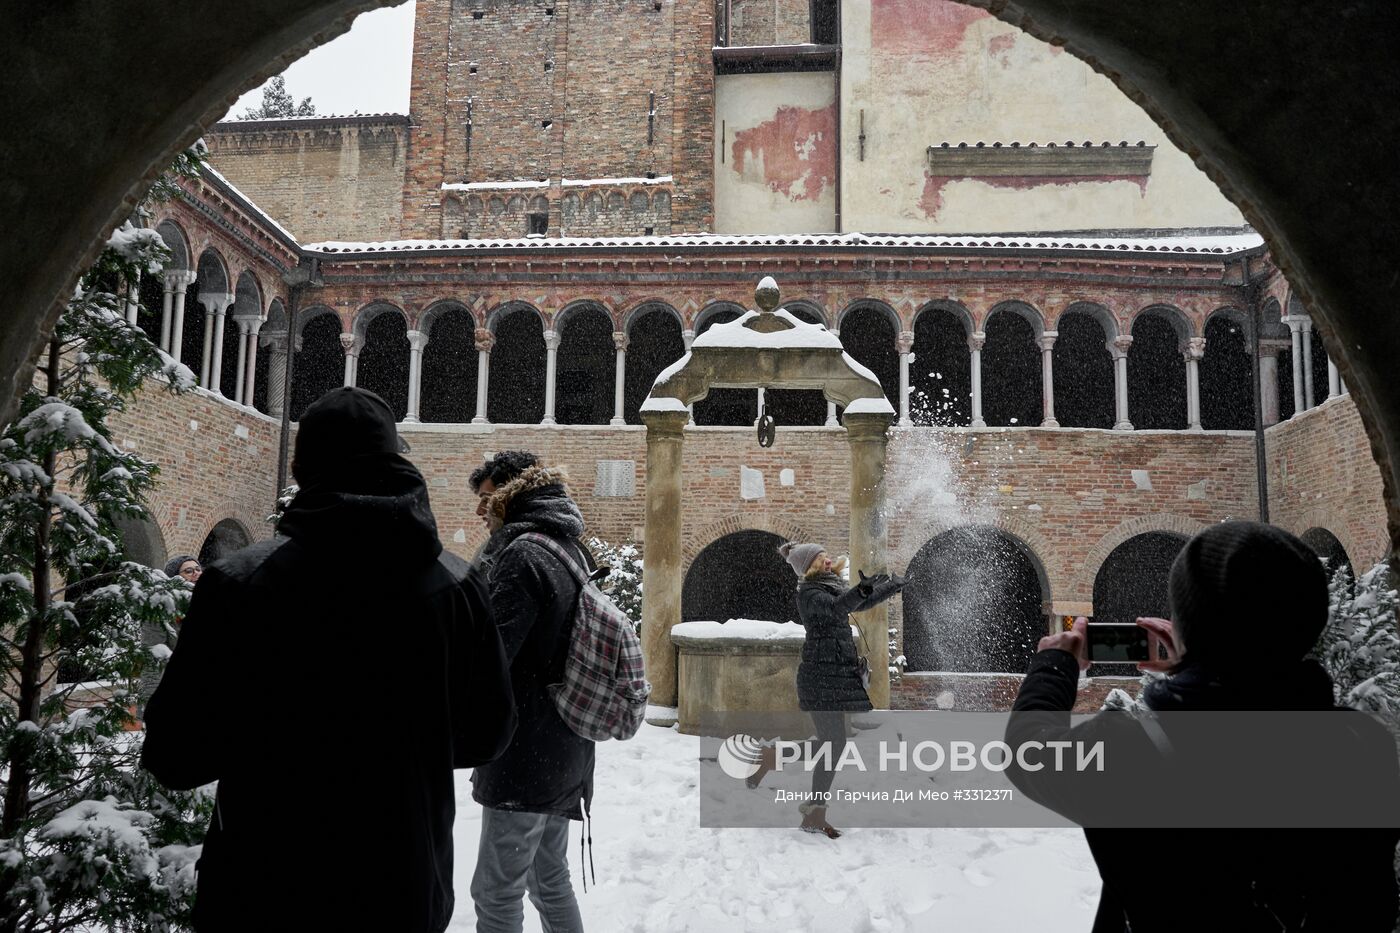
(624, 580)
(284, 500)
(88, 840)
(1361, 645)
(277, 103)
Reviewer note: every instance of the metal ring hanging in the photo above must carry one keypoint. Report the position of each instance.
(767, 429)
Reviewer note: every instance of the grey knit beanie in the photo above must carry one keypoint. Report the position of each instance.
(800, 556)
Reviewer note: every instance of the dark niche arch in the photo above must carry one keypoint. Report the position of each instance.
(868, 334)
(1083, 372)
(1328, 547)
(383, 366)
(791, 407)
(740, 576)
(1227, 377)
(449, 368)
(586, 367)
(654, 342)
(940, 374)
(731, 407)
(1156, 375)
(517, 375)
(1132, 582)
(974, 603)
(223, 539)
(1011, 379)
(320, 363)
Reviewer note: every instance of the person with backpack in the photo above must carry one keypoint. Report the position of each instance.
(536, 570)
(356, 588)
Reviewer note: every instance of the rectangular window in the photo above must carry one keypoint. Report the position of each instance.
(538, 224)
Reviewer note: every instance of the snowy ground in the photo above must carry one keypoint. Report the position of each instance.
(658, 872)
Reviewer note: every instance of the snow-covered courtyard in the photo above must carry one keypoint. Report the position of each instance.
(659, 872)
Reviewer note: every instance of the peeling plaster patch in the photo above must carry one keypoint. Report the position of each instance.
(459, 536)
(830, 509)
(787, 477)
(751, 483)
(929, 27)
(1196, 490)
(793, 154)
(1000, 47)
(1142, 480)
(438, 482)
(240, 431)
(931, 201)
(194, 425)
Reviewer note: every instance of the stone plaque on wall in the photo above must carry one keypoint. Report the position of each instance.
(616, 479)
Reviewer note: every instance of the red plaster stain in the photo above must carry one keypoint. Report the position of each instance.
(931, 201)
(936, 26)
(794, 153)
(1000, 47)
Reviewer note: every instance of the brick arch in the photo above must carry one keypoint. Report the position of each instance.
(1169, 522)
(1180, 321)
(582, 306)
(646, 306)
(698, 540)
(1029, 536)
(243, 524)
(426, 318)
(1321, 517)
(1023, 309)
(362, 318)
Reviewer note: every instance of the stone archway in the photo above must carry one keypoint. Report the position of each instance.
(766, 348)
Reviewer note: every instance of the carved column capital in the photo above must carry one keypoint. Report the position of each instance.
(1120, 345)
(904, 342)
(417, 340)
(976, 341)
(620, 340)
(485, 340)
(351, 344)
(1194, 348)
(1046, 341)
(551, 340)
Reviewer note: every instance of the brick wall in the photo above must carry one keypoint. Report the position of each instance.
(1322, 475)
(557, 89)
(337, 178)
(770, 22)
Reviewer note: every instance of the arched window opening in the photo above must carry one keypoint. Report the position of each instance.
(152, 297)
(223, 539)
(653, 342)
(1156, 375)
(868, 334)
(1011, 378)
(141, 541)
(1083, 372)
(1227, 379)
(974, 603)
(740, 576)
(586, 367)
(247, 306)
(320, 363)
(383, 366)
(275, 324)
(731, 407)
(517, 374)
(1319, 366)
(449, 369)
(1133, 582)
(1330, 549)
(797, 406)
(940, 373)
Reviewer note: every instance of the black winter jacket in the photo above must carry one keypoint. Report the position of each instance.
(1336, 879)
(547, 768)
(330, 680)
(828, 678)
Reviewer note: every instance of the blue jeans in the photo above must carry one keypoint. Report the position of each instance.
(523, 853)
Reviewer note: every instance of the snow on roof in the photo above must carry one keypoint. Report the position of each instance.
(1219, 244)
(248, 203)
(493, 185)
(264, 122)
(737, 335)
(587, 182)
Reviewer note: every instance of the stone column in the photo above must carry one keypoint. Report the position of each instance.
(868, 437)
(975, 342)
(133, 298)
(831, 421)
(183, 279)
(240, 371)
(485, 340)
(1334, 379)
(904, 343)
(417, 340)
(211, 364)
(1295, 333)
(551, 366)
(1309, 395)
(620, 379)
(167, 302)
(661, 607)
(1047, 378)
(1118, 348)
(687, 338)
(1194, 351)
(1268, 379)
(250, 376)
(351, 345)
(276, 372)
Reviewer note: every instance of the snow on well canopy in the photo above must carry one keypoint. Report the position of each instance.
(747, 629)
(735, 335)
(870, 406)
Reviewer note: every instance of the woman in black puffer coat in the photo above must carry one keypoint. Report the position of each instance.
(830, 681)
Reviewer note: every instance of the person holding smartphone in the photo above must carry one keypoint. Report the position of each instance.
(1248, 604)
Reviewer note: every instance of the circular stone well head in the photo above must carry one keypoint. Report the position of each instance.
(766, 294)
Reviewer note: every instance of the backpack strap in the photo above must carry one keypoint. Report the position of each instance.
(554, 547)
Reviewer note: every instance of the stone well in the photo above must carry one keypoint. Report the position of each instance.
(741, 665)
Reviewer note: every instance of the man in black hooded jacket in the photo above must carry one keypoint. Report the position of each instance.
(330, 679)
(544, 779)
(1249, 602)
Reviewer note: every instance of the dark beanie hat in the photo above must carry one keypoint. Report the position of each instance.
(340, 427)
(1244, 593)
(172, 566)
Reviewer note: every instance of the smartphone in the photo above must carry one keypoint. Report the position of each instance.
(1118, 642)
